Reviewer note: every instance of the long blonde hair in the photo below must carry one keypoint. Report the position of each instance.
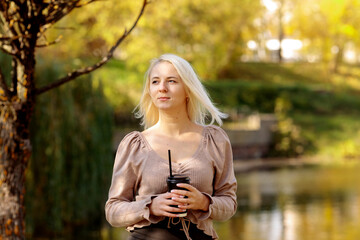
(199, 105)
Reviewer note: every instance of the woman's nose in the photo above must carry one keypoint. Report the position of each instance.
(162, 87)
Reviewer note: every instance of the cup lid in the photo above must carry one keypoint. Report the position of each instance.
(179, 176)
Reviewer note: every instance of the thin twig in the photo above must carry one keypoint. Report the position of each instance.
(11, 53)
(82, 71)
(58, 39)
(64, 28)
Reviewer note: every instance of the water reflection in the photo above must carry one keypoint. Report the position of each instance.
(296, 204)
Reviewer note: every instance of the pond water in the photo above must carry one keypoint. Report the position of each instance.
(296, 204)
(311, 203)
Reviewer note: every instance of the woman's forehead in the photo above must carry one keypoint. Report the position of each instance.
(163, 68)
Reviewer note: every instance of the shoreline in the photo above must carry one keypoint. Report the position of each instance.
(248, 165)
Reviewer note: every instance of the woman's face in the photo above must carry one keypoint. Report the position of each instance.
(167, 89)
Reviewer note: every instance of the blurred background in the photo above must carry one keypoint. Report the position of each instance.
(286, 71)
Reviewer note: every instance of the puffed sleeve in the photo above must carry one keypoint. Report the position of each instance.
(121, 209)
(223, 200)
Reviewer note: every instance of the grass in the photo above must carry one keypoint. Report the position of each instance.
(332, 137)
(324, 104)
(315, 75)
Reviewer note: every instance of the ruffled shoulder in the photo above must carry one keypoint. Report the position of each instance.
(132, 138)
(132, 146)
(217, 134)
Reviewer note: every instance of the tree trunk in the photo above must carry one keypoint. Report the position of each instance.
(281, 31)
(338, 59)
(15, 151)
(14, 155)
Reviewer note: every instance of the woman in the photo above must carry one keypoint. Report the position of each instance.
(173, 109)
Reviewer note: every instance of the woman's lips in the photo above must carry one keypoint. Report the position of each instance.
(163, 98)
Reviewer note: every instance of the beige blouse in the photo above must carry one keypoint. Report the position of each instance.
(140, 173)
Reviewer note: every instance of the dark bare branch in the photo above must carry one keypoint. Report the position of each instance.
(56, 11)
(6, 39)
(71, 76)
(10, 39)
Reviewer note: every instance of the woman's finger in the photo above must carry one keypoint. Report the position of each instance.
(179, 192)
(186, 186)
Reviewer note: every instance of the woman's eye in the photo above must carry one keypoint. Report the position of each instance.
(172, 81)
(154, 82)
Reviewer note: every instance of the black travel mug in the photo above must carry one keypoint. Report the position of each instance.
(171, 182)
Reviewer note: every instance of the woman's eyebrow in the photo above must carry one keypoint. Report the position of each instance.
(167, 77)
(172, 76)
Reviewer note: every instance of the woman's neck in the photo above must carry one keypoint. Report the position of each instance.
(174, 124)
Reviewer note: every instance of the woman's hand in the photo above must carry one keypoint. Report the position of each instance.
(160, 206)
(195, 199)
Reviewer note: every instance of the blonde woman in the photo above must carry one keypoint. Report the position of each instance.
(174, 108)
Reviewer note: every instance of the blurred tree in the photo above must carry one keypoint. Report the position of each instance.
(212, 34)
(329, 25)
(71, 159)
(88, 34)
(23, 25)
